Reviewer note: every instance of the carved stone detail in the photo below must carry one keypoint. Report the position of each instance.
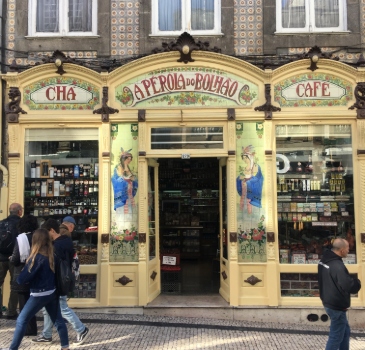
(233, 248)
(142, 251)
(124, 280)
(105, 252)
(267, 107)
(185, 44)
(105, 110)
(359, 94)
(252, 280)
(270, 251)
(12, 108)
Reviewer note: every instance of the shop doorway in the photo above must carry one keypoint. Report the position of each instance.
(189, 214)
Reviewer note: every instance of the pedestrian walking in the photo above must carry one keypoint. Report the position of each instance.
(39, 272)
(27, 225)
(335, 287)
(9, 232)
(63, 248)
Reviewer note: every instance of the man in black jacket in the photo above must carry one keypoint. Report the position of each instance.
(335, 287)
(16, 211)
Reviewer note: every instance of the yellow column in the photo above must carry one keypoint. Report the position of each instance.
(272, 285)
(142, 218)
(232, 217)
(104, 215)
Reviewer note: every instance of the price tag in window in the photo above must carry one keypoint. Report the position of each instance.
(169, 260)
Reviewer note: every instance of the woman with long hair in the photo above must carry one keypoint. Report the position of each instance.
(39, 272)
(26, 226)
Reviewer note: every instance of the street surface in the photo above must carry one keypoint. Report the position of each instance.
(131, 332)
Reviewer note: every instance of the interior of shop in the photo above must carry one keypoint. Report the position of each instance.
(189, 225)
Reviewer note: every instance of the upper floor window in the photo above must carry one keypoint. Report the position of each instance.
(302, 16)
(62, 17)
(172, 17)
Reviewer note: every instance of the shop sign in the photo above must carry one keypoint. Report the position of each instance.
(312, 90)
(61, 93)
(188, 87)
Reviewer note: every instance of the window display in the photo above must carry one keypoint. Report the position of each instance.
(315, 201)
(61, 179)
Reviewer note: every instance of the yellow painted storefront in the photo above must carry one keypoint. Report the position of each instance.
(223, 98)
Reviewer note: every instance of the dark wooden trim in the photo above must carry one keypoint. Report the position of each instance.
(141, 115)
(105, 154)
(105, 238)
(360, 152)
(362, 237)
(231, 153)
(233, 237)
(14, 155)
(142, 238)
(142, 154)
(231, 114)
(270, 237)
(268, 152)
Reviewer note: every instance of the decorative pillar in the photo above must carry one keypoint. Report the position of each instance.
(272, 240)
(104, 214)
(142, 215)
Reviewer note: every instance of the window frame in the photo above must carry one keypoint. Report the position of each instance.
(63, 21)
(310, 18)
(185, 20)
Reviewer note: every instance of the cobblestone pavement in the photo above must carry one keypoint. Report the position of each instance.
(133, 332)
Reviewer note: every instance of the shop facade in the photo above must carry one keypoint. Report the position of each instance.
(284, 148)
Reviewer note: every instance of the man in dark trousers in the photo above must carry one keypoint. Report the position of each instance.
(335, 287)
(10, 224)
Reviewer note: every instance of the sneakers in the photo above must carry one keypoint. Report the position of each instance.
(41, 339)
(82, 336)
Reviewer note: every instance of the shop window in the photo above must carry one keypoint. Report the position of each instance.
(172, 17)
(295, 16)
(85, 287)
(124, 199)
(187, 137)
(62, 17)
(315, 199)
(301, 284)
(61, 179)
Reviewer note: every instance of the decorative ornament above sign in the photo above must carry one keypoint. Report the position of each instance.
(312, 90)
(188, 87)
(61, 93)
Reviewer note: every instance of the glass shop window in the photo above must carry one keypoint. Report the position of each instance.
(62, 179)
(315, 199)
(187, 138)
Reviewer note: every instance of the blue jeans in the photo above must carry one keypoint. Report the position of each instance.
(339, 337)
(32, 306)
(67, 314)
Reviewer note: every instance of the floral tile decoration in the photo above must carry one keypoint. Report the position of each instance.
(188, 87)
(69, 84)
(306, 81)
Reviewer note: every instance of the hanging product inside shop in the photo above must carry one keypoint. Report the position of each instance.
(314, 192)
(66, 183)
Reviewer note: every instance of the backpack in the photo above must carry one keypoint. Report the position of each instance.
(65, 279)
(6, 238)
